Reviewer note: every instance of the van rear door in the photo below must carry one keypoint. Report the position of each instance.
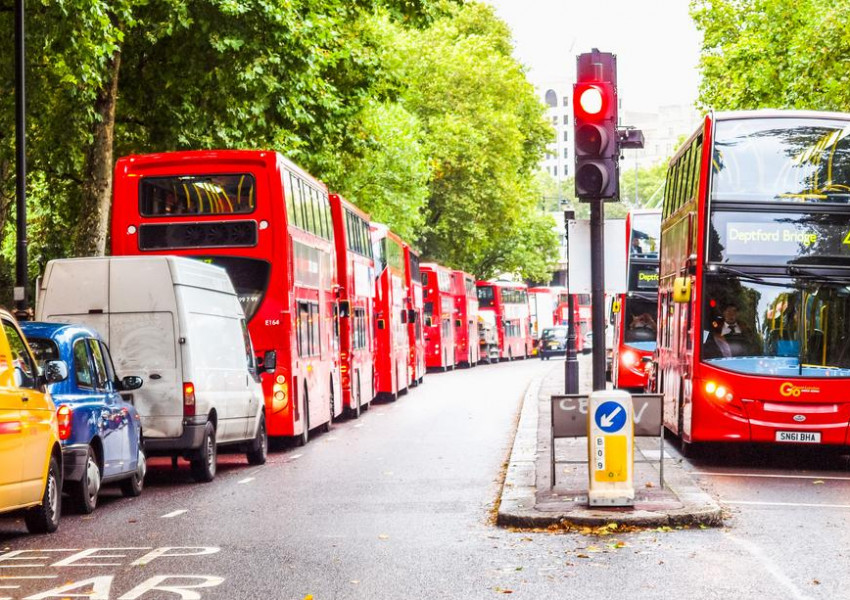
(143, 340)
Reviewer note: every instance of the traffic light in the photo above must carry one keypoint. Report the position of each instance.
(597, 173)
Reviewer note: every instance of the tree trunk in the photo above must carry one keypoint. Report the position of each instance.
(93, 222)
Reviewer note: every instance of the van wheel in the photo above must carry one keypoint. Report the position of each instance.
(203, 466)
(259, 451)
(84, 492)
(305, 435)
(44, 518)
(132, 487)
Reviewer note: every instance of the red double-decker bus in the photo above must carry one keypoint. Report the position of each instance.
(356, 275)
(439, 317)
(416, 316)
(505, 304)
(754, 297)
(581, 316)
(467, 351)
(391, 337)
(635, 312)
(268, 223)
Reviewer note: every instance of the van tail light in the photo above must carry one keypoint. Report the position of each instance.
(64, 416)
(188, 399)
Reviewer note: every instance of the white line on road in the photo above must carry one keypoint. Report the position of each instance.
(173, 514)
(770, 566)
(294, 456)
(770, 476)
(246, 480)
(786, 504)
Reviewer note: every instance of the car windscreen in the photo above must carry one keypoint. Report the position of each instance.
(43, 349)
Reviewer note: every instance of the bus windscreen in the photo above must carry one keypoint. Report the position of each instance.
(782, 160)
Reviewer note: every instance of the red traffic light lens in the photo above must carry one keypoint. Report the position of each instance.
(591, 100)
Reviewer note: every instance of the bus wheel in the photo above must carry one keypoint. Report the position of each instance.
(354, 412)
(305, 435)
(327, 426)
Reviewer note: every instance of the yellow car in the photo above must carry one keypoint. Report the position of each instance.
(30, 454)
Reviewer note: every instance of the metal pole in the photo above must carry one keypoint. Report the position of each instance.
(597, 289)
(21, 279)
(571, 364)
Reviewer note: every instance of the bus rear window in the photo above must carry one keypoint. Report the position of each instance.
(250, 279)
(189, 195)
(486, 298)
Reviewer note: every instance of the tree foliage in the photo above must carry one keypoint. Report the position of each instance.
(414, 109)
(774, 54)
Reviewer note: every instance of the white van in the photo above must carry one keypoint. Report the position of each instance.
(178, 324)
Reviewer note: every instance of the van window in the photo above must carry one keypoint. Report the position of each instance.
(249, 348)
(25, 372)
(82, 368)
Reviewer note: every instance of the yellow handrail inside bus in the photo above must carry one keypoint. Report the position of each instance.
(824, 321)
(188, 197)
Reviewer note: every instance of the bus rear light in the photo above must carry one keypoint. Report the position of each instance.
(346, 381)
(280, 379)
(279, 395)
(343, 356)
(188, 399)
(64, 416)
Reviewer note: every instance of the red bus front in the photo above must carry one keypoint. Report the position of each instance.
(268, 224)
(467, 350)
(755, 281)
(508, 303)
(439, 316)
(391, 337)
(635, 312)
(356, 275)
(416, 316)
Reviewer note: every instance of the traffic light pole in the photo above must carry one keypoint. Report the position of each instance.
(571, 364)
(597, 290)
(21, 278)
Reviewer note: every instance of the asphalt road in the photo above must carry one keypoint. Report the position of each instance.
(396, 505)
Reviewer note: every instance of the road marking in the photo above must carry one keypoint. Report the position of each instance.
(294, 456)
(770, 566)
(787, 504)
(176, 513)
(246, 480)
(770, 476)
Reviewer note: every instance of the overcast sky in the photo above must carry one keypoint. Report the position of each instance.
(656, 44)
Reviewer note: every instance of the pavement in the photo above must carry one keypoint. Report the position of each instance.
(529, 500)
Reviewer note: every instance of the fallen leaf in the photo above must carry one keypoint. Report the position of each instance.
(308, 597)
(815, 582)
(649, 484)
(817, 482)
(355, 581)
(582, 556)
(383, 536)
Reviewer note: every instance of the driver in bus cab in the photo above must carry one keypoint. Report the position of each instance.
(728, 336)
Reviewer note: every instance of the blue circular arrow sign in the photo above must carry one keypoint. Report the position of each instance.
(610, 416)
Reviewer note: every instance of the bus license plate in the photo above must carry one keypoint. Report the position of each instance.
(803, 437)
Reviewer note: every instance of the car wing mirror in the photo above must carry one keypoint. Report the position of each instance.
(55, 371)
(131, 382)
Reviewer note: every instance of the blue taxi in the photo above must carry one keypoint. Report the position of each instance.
(100, 432)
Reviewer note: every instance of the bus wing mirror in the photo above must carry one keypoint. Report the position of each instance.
(682, 289)
(269, 363)
(428, 322)
(615, 307)
(382, 324)
(457, 323)
(691, 264)
(344, 309)
(411, 315)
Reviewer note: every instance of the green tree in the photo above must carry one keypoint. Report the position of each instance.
(484, 134)
(773, 54)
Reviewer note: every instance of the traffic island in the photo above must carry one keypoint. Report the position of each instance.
(528, 500)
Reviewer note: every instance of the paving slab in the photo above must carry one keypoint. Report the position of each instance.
(529, 499)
